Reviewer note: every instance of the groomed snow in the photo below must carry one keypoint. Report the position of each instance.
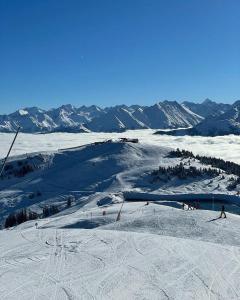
(153, 252)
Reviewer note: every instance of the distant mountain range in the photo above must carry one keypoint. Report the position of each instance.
(207, 108)
(166, 114)
(224, 123)
(67, 118)
(162, 115)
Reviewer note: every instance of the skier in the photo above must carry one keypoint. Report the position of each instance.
(36, 225)
(223, 212)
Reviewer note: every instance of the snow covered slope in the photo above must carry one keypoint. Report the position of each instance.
(102, 169)
(155, 251)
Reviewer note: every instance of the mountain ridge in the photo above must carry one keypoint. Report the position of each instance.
(215, 125)
(68, 118)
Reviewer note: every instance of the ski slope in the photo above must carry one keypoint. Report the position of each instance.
(155, 251)
(101, 171)
(140, 257)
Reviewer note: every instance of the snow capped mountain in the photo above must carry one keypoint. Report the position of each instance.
(207, 108)
(227, 123)
(63, 116)
(30, 119)
(92, 111)
(206, 118)
(115, 119)
(167, 114)
(66, 118)
(223, 124)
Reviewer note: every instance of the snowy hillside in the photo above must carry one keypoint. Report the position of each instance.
(104, 169)
(154, 251)
(142, 256)
(67, 118)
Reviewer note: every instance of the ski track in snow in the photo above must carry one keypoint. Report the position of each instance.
(152, 252)
(121, 255)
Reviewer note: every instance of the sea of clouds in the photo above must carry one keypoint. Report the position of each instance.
(226, 147)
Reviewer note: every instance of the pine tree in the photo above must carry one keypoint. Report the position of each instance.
(69, 202)
(10, 220)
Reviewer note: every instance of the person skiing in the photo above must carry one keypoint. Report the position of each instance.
(36, 225)
(223, 212)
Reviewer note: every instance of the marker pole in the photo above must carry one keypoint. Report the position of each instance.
(9, 151)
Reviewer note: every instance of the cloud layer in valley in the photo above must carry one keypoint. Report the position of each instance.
(226, 147)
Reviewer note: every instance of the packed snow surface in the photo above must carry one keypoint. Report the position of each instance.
(153, 252)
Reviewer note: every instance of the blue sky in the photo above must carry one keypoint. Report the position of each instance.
(114, 52)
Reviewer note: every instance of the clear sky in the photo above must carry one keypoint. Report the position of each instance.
(109, 52)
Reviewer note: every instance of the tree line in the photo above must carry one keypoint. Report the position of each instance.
(19, 217)
(182, 172)
(227, 166)
(23, 215)
(22, 170)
